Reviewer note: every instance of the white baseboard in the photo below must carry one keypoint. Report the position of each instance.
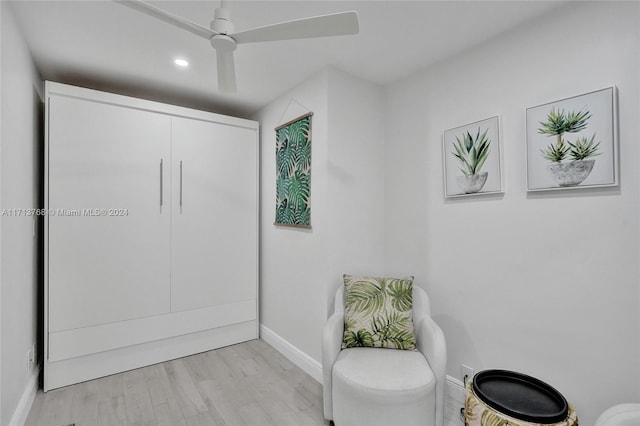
(309, 365)
(26, 400)
(454, 401)
(455, 390)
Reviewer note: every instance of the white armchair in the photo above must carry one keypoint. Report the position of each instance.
(408, 386)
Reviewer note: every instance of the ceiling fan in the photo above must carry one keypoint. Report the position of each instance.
(224, 39)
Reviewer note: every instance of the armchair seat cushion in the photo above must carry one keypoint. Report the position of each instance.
(378, 371)
(382, 387)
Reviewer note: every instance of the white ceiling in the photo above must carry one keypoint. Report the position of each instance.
(106, 45)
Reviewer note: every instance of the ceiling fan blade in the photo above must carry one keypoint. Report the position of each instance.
(170, 18)
(226, 71)
(342, 23)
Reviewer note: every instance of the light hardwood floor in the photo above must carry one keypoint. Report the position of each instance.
(246, 384)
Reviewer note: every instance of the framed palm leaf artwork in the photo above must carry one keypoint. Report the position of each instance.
(293, 172)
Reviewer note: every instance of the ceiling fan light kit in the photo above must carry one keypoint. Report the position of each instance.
(224, 39)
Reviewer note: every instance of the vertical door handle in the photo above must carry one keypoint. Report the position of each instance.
(161, 182)
(181, 185)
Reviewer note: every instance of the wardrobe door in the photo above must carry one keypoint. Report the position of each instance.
(109, 213)
(214, 249)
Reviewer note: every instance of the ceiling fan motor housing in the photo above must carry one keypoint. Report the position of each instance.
(222, 42)
(222, 25)
(222, 21)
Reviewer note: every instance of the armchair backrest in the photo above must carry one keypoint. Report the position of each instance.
(421, 304)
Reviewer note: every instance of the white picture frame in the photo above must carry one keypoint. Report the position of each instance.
(590, 124)
(462, 177)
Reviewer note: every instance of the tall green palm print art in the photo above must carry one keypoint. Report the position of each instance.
(293, 173)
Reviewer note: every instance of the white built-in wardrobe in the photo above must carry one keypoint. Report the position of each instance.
(151, 233)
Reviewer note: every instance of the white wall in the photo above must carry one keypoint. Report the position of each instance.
(20, 147)
(293, 261)
(300, 269)
(546, 283)
(356, 179)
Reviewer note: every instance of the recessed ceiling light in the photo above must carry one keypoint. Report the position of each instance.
(181, 62)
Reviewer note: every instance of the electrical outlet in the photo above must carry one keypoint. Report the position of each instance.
(34, 354)
(466, 373)
(29, 361)
(31, 358)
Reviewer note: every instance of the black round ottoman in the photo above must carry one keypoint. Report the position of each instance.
(502, 397)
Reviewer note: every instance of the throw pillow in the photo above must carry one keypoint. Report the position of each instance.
(378, 312)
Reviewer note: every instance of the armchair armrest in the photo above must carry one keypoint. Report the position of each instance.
(431, 343)
(332, 332)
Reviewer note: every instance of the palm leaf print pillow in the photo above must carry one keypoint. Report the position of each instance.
(378, 313)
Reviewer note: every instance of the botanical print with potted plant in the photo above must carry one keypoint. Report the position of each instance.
(571, 142)
(293, 172)
(472, 159)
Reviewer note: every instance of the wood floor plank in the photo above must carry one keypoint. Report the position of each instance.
(158, 385)
(243, 351)
(138, 407)
(234, 362)
(205, 419)
(84, 407)
(111, 405)
(219, 369)
(112, 411)
(304, 385)
(243, 358)
(281, 382)
(165, 402)
(214, 395)
(253, 414)
(169, 414)
(110, 386)
(186, 392)
(56, 407)
(198, 367)
(315, 416)
(247, 384)
(274, 358)
(281, 413)
(312, 389)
